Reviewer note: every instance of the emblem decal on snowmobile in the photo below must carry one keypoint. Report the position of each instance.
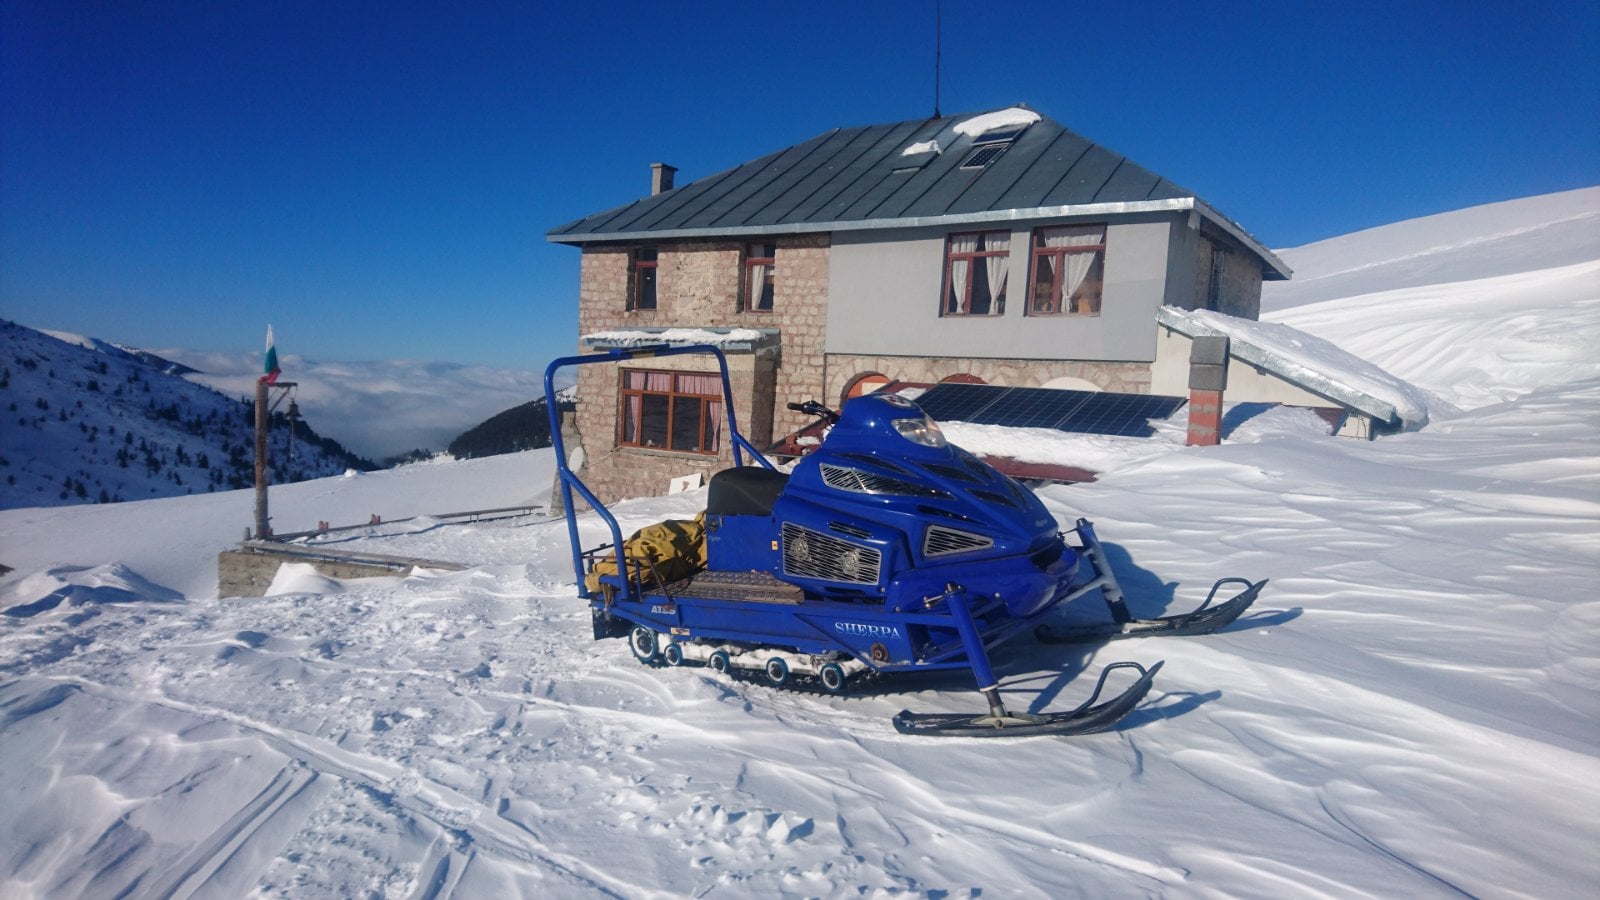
(864, 629)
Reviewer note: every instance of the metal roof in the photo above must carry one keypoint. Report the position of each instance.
(1296, 372)
(851, 179)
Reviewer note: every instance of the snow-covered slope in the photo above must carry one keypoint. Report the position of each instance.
(87, 422)
(1510, 238)
(1472, 335)
(1412, 710)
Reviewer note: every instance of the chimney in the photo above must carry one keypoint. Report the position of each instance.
(661, 177)
(1208, 377)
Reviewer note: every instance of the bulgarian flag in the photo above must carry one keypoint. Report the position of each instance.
(271, 366)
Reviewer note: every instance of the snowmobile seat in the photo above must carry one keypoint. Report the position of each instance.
(745, 491)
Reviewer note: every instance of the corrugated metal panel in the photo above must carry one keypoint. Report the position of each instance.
(702, 210)
(1129, 182)
(825, 182)
(770, 179)
(833, 198)
(1050, 167)
(906, 187)
(757, 207)
(1084, 180)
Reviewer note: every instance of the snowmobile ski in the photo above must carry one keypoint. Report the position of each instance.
(1204, 619)
(1088, 718)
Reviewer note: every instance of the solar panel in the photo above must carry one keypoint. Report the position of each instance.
(1082, 412)
(984, 155)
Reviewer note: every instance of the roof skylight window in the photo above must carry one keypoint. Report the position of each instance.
(984, 155)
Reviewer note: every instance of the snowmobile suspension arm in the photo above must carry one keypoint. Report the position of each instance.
(1105, 578)
(955, 597)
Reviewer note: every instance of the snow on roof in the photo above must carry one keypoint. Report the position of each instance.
(717, 337)
(921, 147)
(1000, 118)
(1311, 362)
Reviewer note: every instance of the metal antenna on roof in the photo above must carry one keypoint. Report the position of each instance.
(938, 38)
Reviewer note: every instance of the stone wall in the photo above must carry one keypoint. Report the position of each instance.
(1239, 293)
(615, 473)
(249, 570)
(1124, 377)
(698, 284)
(800, 312)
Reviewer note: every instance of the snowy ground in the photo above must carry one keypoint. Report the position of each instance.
(1413, 709)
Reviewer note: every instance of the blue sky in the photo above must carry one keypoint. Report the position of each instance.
(375, 179)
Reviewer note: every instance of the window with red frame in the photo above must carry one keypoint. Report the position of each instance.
(642, 292)
(1068, 270)
(760, 264)
(671, 411)
(975, 270)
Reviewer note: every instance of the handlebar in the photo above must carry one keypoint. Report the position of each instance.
(813, 408)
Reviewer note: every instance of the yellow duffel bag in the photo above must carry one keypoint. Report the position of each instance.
(671, 550)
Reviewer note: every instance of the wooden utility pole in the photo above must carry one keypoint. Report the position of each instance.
(263, 421)
(263, 530)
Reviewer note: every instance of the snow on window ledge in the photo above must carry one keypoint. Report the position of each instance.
(641, 337)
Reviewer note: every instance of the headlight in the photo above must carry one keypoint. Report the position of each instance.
(924, 431)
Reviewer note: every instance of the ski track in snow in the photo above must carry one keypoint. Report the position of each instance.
(1412, 708)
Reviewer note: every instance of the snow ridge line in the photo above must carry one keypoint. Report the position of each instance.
(210, 857)
(1447, 248)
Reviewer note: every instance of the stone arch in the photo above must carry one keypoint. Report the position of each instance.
(864, 383)
(1070, 383)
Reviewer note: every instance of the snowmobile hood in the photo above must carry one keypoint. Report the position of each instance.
(886, 452)
(886, 422)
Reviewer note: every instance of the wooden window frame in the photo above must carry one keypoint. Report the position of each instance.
(638, 264)
(751, 261)
(1059, 254)
(973, 258)
(707, 443)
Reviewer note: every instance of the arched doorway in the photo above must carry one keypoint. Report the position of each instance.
(864, 384)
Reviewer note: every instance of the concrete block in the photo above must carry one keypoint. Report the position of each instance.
(1205, 377)
(1209, 350)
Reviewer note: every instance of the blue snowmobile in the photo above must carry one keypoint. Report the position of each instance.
(886, 550)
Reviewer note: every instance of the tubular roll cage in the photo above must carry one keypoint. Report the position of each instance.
(571, 483)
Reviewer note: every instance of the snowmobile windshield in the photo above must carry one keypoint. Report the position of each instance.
(924, 431)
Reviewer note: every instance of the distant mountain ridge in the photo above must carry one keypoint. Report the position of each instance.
(524, 427)
(88, 421)
(159, 363)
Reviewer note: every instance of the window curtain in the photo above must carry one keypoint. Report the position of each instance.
(757, 285)
(714, 426)
(630, 425)
(700, 384)
(959, 278)
(1075, 266)
(711, 424)
(998, 267)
